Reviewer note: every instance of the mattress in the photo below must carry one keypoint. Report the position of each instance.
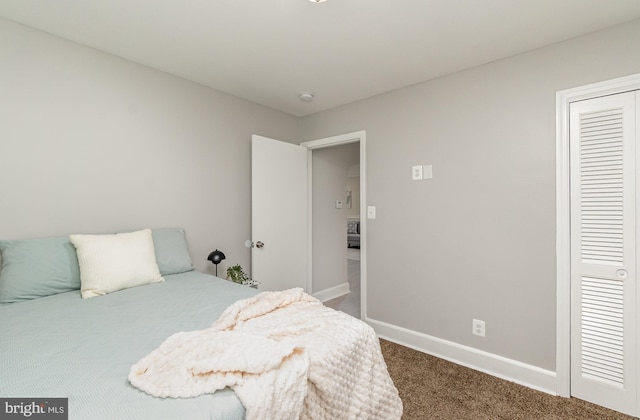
(82, 349)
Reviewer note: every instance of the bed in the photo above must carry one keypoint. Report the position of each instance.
(61, 345)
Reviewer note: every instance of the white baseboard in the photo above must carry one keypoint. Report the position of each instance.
(332, 292)
(508, 369)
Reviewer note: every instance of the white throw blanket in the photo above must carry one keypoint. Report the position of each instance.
(285, 355)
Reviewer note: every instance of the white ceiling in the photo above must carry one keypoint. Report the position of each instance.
(269, 51)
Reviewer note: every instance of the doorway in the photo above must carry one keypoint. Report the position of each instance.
(329, 250)
(336, 226)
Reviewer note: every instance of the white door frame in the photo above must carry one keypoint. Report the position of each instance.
(563, 217)
(357, 136)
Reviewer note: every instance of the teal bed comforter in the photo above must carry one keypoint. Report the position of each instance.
(64, 346)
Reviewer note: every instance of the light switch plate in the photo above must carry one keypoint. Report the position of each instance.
(371, 212)
(427, 172)
(338, 204)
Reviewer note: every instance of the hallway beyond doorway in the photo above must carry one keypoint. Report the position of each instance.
(350, 303)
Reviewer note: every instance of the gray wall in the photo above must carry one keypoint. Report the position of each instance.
(330, 166)
(477, 241)
(91, 143)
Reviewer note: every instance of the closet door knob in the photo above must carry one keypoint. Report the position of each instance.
(259, 244)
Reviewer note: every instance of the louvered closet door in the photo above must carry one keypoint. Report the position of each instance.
(603, 251)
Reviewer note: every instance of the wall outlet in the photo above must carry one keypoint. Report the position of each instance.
(477, 327)
(416, 172)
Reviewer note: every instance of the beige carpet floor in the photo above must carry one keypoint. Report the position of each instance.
(432, 388)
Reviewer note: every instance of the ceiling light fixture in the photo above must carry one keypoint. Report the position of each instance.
(317, 1)
(306, 96)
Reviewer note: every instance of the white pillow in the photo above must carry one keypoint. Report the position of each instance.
(115, 262)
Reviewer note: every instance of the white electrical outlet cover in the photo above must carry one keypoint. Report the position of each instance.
(478, 327)
(416, 172)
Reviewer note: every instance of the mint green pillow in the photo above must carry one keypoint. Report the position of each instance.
(34, 268)
(172, 252)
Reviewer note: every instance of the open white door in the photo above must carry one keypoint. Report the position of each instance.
(279, 213)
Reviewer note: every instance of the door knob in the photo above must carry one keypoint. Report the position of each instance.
(259, 244)
(622, 274)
